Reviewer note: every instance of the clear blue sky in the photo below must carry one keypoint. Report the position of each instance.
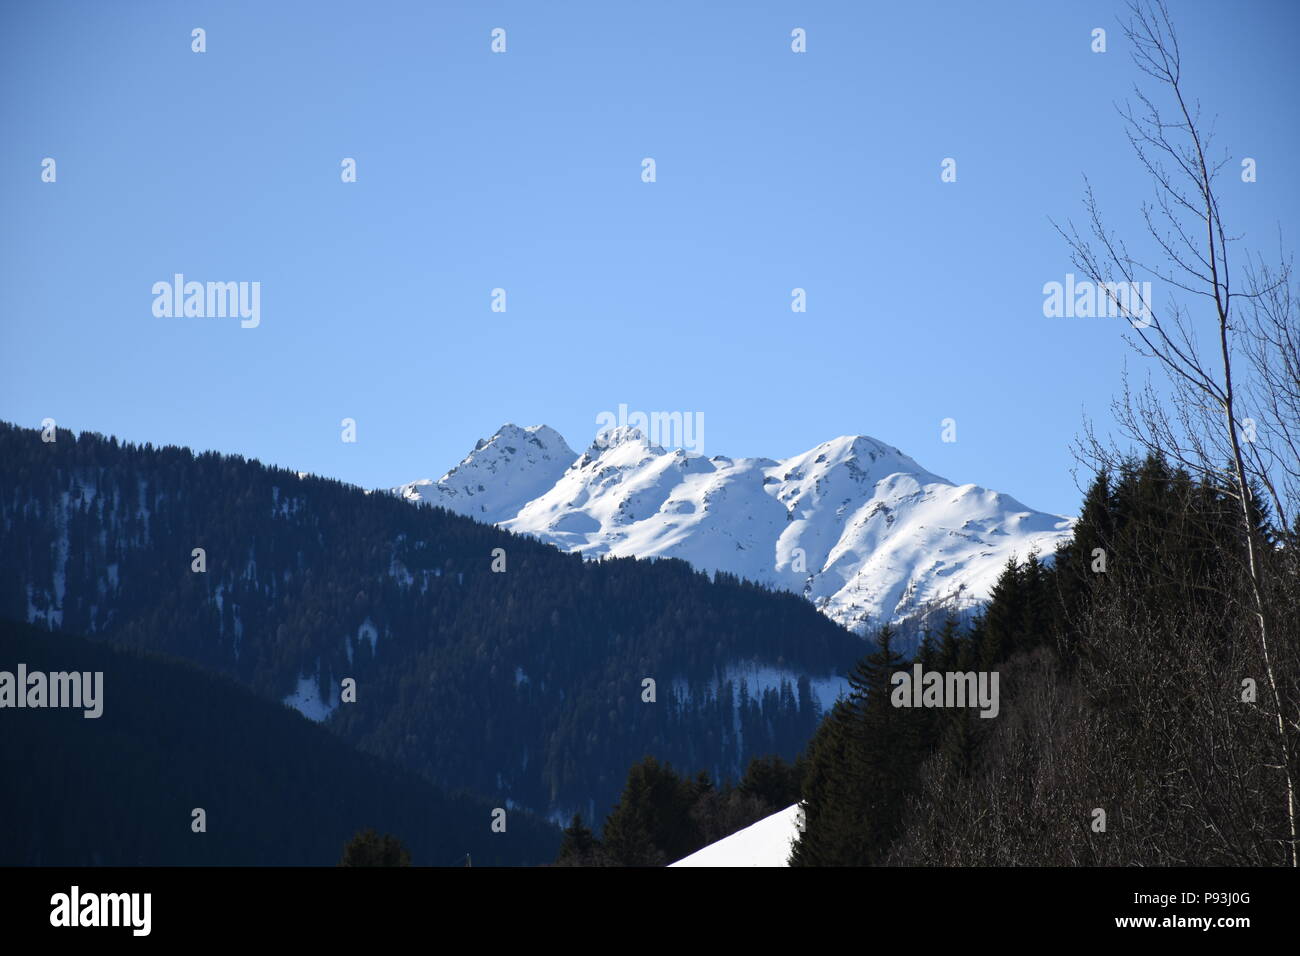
(522, 171)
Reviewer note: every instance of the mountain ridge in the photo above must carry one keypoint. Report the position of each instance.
(854, 524)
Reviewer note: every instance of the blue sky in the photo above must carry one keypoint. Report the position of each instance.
(522, 171)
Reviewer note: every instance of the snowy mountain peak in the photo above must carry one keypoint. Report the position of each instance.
(854, 525)
(611, 438)
(542, 436)
(499, 476)
(861, 454)
(858, 445)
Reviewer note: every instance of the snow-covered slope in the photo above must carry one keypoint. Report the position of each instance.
(765, 843)
(855, 525)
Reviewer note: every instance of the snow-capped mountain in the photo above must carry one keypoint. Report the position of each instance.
(501, 475)
(856, 526)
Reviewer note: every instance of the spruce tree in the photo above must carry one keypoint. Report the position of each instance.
(579, 846)
(860, 766)
(1003, 619)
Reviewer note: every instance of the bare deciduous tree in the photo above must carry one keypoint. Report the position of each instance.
(1223, 346)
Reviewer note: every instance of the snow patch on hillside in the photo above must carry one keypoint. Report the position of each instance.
(306, 699)
(759, 678)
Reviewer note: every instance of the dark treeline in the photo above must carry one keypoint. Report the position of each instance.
(1132, 684)
(524, 685)
(662, 816)
(277, 789)
(369, 848)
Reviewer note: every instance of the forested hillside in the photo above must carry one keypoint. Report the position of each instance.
(525, 684)
(1136, 726)
(276, 789)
